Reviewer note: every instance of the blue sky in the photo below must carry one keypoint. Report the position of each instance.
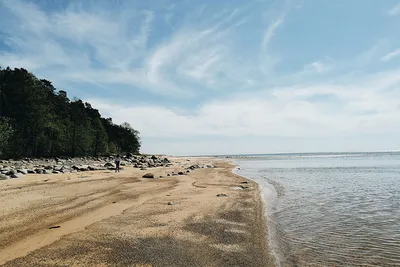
(221, 77)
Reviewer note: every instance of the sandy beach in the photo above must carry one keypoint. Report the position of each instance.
(106, 219)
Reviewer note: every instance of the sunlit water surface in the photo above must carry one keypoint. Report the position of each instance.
(330, 209)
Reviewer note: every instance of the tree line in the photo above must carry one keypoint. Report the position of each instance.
(36, 120)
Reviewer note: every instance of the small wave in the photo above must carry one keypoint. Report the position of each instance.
(331, 212)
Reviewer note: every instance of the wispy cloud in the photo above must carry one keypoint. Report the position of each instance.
(395, 10)
(270, 31)
(317, 66)
(87, 44)
(391, 55)
(245, 70)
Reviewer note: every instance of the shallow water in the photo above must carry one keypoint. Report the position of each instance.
(331, 209)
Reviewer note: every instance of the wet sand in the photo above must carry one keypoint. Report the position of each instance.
(108, 219)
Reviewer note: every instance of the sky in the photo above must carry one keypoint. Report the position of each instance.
(221, 77)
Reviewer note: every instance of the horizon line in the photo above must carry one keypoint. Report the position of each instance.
(292, 153)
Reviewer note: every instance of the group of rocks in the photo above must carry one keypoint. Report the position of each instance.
(243, 186)
(183, 172)
(18, 168)
(190, 169)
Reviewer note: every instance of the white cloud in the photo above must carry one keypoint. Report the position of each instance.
(270, 31)
(317, 66)
(395, 10)
(88, 46)
(267, 60)
(202, 57)
(391, 55)
(366, 105)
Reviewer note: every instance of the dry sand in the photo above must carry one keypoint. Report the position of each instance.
(109, 219)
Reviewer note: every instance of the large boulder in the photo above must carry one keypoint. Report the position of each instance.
(4, 177)
(58, 168)
(81, 168)
(95, 168)
(39, 171)
(12, 172)
(149, 175)
(23, 171)
(17, 175)
(110, 165)
(193, 167)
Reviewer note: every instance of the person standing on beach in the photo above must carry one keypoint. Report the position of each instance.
(117, 162)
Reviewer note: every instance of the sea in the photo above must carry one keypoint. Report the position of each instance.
(330, 209)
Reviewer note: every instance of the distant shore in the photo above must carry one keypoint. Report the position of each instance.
(206, 216)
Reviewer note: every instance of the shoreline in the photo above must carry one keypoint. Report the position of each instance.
(122, 219)
(272, 247)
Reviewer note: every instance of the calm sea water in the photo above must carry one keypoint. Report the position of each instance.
(330, 209)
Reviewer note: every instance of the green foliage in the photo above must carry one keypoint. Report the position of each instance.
(36, 120)
(112, 148)
(6, 132)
